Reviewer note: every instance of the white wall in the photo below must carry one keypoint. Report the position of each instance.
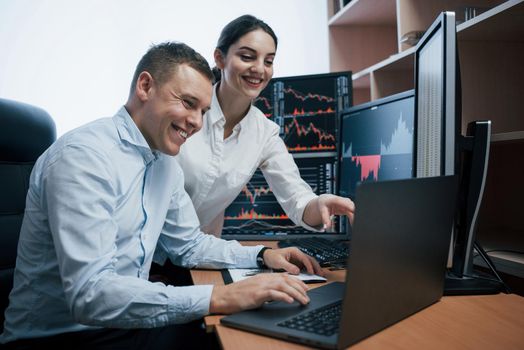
(76, 58)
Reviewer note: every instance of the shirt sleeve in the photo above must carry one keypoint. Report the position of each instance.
(283, 176)
(186, 245)
(81, 199)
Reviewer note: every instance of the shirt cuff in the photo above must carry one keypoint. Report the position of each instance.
(188, 303)
(250, 259)
(300, 214)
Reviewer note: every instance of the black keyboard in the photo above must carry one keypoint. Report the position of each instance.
(323, 321)
(328, 252)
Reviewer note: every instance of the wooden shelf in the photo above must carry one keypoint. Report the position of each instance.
(364, 38)
(507, 262)
(515, 136)
(365, 12)
(502, 23)
(399, 61)
(506, 249)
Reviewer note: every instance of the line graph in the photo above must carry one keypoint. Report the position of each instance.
(312, 104)
(309, 133)
(257, 209)
(308, 96)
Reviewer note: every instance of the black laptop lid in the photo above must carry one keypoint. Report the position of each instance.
(406, 225)
(396, 264)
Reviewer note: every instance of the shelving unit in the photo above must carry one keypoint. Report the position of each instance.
(365, 38)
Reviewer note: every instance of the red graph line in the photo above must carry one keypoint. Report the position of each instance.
(265, 100)
(369, 164)
(304, 97)
(297, 112)
(252, 214)
(311, 148)
(252, 196)
(301, 130)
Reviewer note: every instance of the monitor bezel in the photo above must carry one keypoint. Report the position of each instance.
(450, 118)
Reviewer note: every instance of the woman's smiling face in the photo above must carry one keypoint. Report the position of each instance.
(247, 67)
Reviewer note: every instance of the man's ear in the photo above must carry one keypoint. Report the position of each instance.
(144, 84)
(219, 59)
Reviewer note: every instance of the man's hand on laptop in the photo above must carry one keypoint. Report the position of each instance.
(255, 291)
(292, 260)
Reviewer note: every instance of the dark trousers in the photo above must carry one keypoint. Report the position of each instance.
(185, 336)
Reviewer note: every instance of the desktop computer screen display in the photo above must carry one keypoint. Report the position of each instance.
(256, 211)
(376, 142)
(307, 109)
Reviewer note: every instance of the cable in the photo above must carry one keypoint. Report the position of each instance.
(491, 266)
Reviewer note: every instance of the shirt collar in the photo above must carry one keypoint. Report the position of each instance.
(129, 132)
(215, 106)
(218, 115)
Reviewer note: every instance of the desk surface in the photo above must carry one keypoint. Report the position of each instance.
(455, 322)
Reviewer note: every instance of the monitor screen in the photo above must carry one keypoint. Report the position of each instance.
(376, 142)
(256, 211)
(307, 109)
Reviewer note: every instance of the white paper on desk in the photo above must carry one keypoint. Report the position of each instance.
(240, 274)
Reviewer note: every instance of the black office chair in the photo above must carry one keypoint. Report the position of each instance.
(25, 133)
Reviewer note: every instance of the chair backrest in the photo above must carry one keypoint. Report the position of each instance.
(25, 133)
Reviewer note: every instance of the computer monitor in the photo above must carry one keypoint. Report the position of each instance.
(438, 119)
(376, 143)
(440, 148)
(256, 213)
(307, 109)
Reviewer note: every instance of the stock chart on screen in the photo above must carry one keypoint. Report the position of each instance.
(256, 210)
(307, 110)
(376, 142)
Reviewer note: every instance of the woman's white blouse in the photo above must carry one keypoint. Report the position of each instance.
(216, 170)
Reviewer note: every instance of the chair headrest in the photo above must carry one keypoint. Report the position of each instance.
(26, 131)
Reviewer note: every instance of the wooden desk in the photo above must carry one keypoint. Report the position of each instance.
(455, 322)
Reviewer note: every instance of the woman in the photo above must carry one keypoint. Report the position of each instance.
(236, 138)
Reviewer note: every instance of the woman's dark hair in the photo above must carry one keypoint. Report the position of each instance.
(237, 28)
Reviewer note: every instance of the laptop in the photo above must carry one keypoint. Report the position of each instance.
(397, 265)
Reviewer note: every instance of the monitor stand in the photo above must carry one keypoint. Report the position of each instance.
(471, 285)
(461, 278)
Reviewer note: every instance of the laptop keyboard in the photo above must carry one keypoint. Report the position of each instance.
(327, 252)
(323, 321)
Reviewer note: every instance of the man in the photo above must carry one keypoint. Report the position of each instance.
(102, 198)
